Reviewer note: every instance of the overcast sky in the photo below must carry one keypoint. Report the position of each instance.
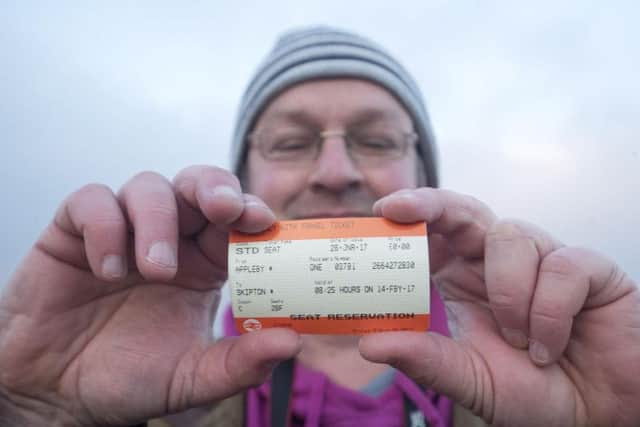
(536, 105)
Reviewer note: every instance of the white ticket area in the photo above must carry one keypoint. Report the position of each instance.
(335, 285)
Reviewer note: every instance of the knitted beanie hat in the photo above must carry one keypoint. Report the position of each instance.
(325, 52)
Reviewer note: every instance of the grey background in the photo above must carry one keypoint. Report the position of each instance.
(535, 104)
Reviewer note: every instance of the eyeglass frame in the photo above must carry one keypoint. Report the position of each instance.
(410, 138)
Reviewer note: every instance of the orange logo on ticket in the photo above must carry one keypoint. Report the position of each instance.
(331, 276)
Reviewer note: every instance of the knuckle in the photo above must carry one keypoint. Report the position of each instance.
(156, 211)
(466, 202)
(153, 205)
(503, 301)
(147, 175)
(514, 230)
(470, 203)
(189, 173)
(198, 170)
(107, 219)
(561, 263)
(507, 232)
(216, 173)
(549, 313)
(215, 169)
(499, 279)
(503, 231)
(142, 181)
(105, 223)
(92, 190)
(192, 176)
(614, 276)
(162, 210)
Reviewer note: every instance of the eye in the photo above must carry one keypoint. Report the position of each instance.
(289, 143)
(374, 143)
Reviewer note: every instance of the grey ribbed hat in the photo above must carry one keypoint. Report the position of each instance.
(325, 52)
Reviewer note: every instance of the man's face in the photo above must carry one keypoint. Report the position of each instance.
(335, 183)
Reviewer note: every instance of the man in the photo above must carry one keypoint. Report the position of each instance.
(107, 320)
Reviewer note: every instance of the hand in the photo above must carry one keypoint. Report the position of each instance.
(544, 334)
(108, 320)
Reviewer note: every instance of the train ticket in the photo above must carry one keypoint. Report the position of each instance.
(331, 276)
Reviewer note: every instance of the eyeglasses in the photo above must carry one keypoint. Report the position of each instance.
(374, 145)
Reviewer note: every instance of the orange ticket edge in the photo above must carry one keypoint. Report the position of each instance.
(331, 228)
(417, 323)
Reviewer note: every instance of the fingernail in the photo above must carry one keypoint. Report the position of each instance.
(255, 203)
(378, 204)
(225, 191)
(162, 254)
(381, 202)
(403, 192)
(515, 337)
(113, 266)
(539, 352)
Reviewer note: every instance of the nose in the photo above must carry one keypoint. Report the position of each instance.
(334, 170)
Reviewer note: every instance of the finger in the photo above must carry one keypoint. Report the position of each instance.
(569, 280)
(207, 194)
(196, 270)
(93, 213)
(150, 205)
(434, 361)
(462, 220)
(439, 253)
(256, 217)
(512, 255)
(235, 364)
(211, 202)
(213, 240)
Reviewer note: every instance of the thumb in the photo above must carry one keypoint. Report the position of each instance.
(235, 364)
(434, 361)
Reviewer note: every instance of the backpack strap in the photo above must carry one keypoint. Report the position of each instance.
(281, 384)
